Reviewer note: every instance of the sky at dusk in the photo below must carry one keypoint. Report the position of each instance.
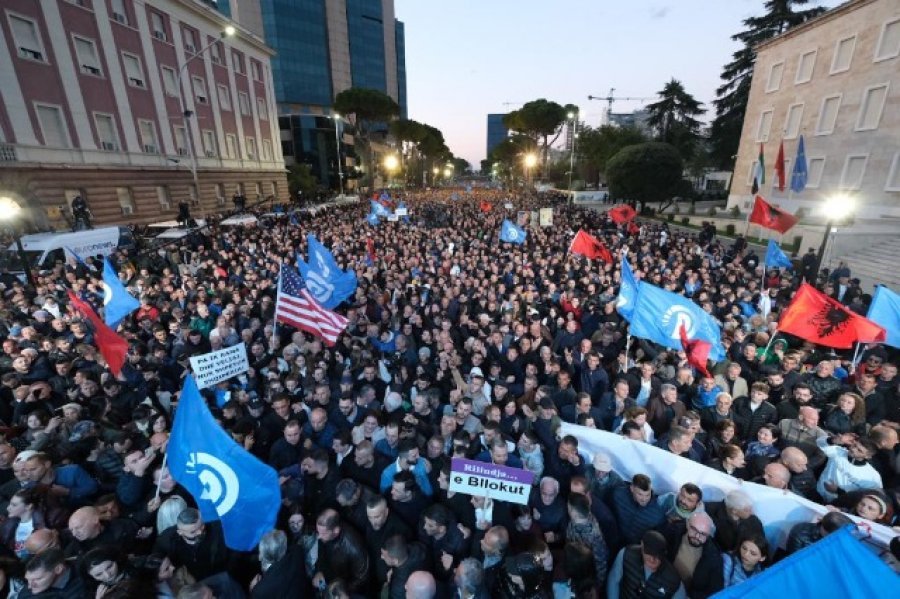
(466, 58)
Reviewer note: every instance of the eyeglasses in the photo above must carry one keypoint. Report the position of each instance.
(696, 532)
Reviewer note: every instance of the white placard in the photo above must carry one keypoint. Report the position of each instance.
(393, 218)
(401, 211)
(220, 365)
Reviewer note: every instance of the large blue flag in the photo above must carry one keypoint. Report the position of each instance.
(628, 289)
(378, 209)
(511, 233)
(799, 174)
(325, 280)
(658, 315)
(885, 311)
(776, 258)
(227, 482)
(373, 219)
(117, 302)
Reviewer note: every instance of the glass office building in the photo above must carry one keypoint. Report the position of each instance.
(496, 131)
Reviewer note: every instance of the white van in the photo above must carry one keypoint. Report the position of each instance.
(42, 250)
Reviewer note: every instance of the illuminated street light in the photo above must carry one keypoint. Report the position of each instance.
(837, 209)
(10, 211)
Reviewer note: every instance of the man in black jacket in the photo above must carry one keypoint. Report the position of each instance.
(283, 573)
(198, 546)
(341, 554)
(381, 525)
(695, 555)
(403, 559)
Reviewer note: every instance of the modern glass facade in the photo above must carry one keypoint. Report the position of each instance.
(400, 44)
(365, 28)
(311, 142)
(496, 131)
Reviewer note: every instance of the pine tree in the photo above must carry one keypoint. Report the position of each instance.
(673, 118)
(732, 95)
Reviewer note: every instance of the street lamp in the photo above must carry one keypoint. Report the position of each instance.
(9, 214)
(229, 31)
(337, 148)
(573, 116)
(435, 172)
(836, 208)
(448, 172)
(391, 163)
(530, 161)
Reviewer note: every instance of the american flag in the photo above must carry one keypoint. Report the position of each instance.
(297, 307)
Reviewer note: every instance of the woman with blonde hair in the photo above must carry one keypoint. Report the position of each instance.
(168, 513)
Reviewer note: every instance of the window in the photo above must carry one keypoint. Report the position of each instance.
(238, 61)
(267, 150)
(181, 141)
(148, 136)
(251, 148)
(118, 11)
(828, 113)
(199, 90)
(86, 53)
(133, 70)
(843, 55)
(752, 172)
(158, 26)
(190, 40)
(871, 107)
(27, 39)
(854, 169)
(261, 109)
(889, 41)
(893, 179)
(764, 125)
(106, 132)
(220, 193)
(256, 70)
(165, 199)
(126, 201)
(224, 97)
(257, 187)
(805, 66)
(792, 121)
(209, 143)
(273, 188)
(170, 81)
(814, 169)
(53, 127)
(231, 149)
(215, 53)
(775, 73)
(244, 101)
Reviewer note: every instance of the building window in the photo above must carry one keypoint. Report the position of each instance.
(752, 172)
(53, 127)
(261, 111)
(26, 37)
(220, 193)
(244, 101)
(764, 126)
(86, 54)
(893, 179)
(224, 97)
(165, 198)
(871, 107)
(199, 90)
(843, 55)
(806, 64)
(181, 141)
(106, 132)
(792, 121)
(273, 188)
(209, 143)
(126, 200)
(774, 80)
(231, 149)
(889, 41)
(815, 167)
(251, 148)
(215, 53)
(190, 40)
(257, 187)
(255, 70)
(148, 136)
(158, 26)
(828, 113)
(118, 11)
(854, 170)
(133, 70)
(170, 81)
(237, 60)
(267, 150)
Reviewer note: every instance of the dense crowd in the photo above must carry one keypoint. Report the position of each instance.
(458, 345)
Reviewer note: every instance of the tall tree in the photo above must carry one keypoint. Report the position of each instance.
(596, 146)
(647, 172)
(732, 95)
(673, 118)
(541, 120)
(365, 107)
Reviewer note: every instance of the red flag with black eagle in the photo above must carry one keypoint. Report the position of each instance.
(769, 217)
(622, 213)
(696, 350)
(590, 247)
(486, 206)
(112, 347)
(815, 317)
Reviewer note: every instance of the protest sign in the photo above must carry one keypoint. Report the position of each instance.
(401, 211)
(220, 365)
(546, 217)
(490, 480)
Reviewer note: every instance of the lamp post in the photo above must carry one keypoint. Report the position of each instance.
(434, 172)
(836, 208)
(530, 161)
(573, 116)
(9, 214)
(337, 148)
(229, 31)
(391, 163)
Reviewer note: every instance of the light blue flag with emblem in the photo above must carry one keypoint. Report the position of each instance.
(510, 233)
(776, 258)
(373, 219)
(658, 315)
(885, 311)
(628, 289)
(117, 302)
(227, 482)
(379, 210)
(325, 280)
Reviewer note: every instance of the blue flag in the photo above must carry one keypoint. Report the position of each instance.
(293, 220)
(885, 311)
(511, 233)
(227, 482)
(78, 258)
(776, 258)
(628, 289)
(325, 280)
(378, 209)
(658, 315)
(799, 173)
(117, 302)
(373, 219)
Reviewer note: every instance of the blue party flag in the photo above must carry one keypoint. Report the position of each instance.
(885, 311)
(512, 234)
(658, 315)
(325, 280)
(776, 258)
(117, 302)
(628, 289)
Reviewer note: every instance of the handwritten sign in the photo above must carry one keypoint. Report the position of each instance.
(220, 365)
(481, 479)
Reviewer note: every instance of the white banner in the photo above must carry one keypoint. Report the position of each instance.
(401, 211)
(546, 217)
(778, 510)
(220, 365)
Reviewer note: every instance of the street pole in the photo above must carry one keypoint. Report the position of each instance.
(24, 258)
(821, 255)
(572, 157)
(337, 148)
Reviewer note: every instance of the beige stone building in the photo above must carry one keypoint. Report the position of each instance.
(836, 81)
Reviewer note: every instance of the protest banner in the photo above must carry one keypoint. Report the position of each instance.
(220, 365)
(546, 217)
(481, 479)
(401, 211)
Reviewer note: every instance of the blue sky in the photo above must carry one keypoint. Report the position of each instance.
(466, 58)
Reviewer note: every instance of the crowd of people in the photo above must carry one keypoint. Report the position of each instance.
(458, 345)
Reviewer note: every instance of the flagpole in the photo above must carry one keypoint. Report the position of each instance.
(277, 302)
(161, 468)
(771, 341)
(855, 356)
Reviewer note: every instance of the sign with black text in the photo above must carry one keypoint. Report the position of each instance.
(220, 365)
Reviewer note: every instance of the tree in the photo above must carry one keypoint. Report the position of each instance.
(673, 118)
(301, 181)
(508, 155)
(732, 95)
(539, 120)
(647, 172)
(596, 146)
(364, 107)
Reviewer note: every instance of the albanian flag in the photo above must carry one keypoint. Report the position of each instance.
(696, 350)
(590, 247)
(815, 317)
(779, 167)
(769, 217)
(112, 347)
(633, 228)
(486, 206)
(622, 213)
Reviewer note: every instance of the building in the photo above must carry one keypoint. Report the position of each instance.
(91, 93)
(836, 81)
(639, 119)
(496, 131)
(322, 48)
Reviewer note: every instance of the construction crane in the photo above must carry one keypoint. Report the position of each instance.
(610, 98)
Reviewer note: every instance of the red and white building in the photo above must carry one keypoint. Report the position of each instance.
(91, 107)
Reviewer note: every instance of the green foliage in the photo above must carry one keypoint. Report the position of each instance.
(539, 120)
(597, 146)
(692, 210)
(670, 217)
(301, 180)
(363, 107)
(735, 211)
(713, 211)
(685, 220)
(673, 118)
(647, 172)
(729, 229)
